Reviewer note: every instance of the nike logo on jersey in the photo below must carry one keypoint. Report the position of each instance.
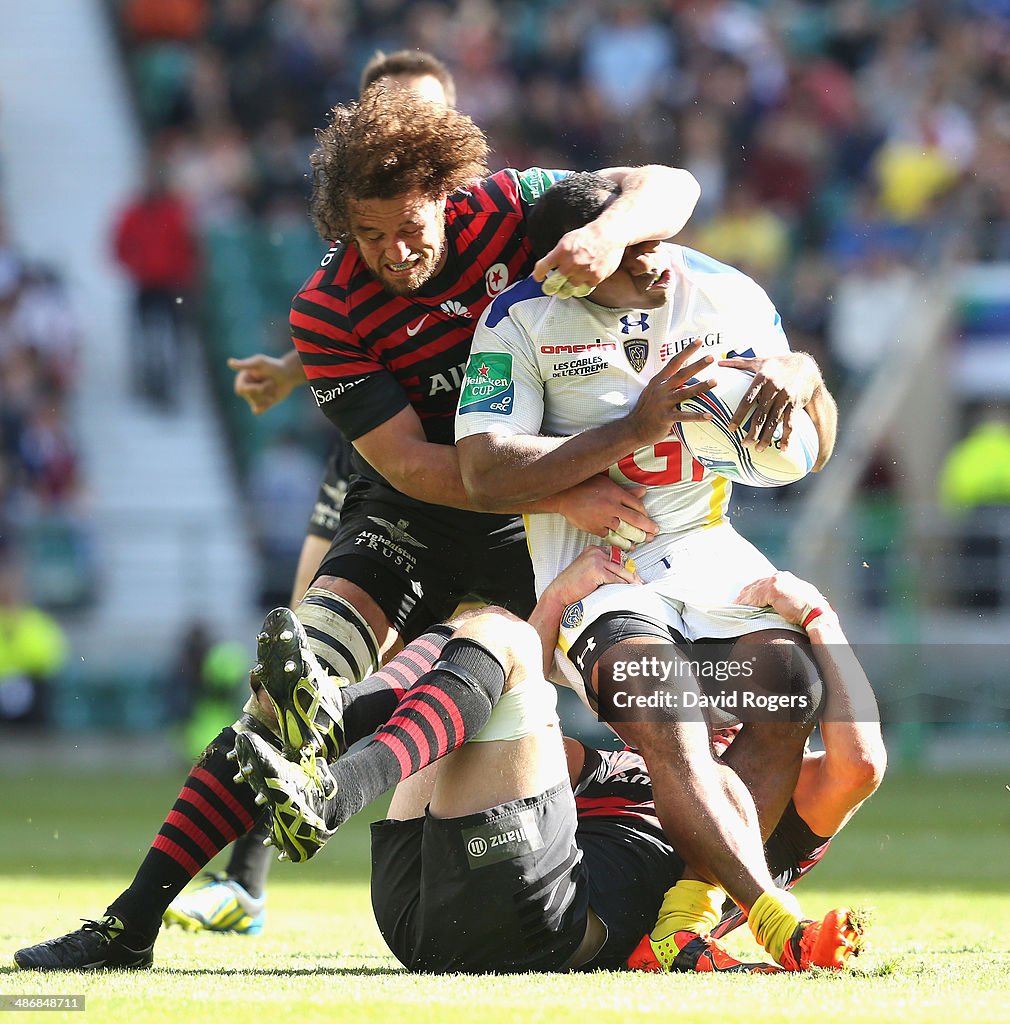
(411, 331)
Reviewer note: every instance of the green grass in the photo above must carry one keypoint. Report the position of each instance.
(929, 854)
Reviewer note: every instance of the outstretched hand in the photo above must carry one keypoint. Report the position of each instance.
(264, 381)
(658, 406)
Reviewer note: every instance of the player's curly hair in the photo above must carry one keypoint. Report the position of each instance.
(388, 143)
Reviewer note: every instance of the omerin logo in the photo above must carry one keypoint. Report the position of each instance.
(487, 384)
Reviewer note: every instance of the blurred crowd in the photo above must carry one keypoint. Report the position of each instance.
(843, 148)
(40, 480)
(40, 476)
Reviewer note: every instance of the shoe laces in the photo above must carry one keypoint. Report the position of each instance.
(77, 944)
(319, 775)
(109, 927)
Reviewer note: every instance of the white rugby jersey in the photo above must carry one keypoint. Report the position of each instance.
(541, 365)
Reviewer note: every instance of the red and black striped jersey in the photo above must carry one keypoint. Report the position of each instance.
(369, 354)
(615, 784)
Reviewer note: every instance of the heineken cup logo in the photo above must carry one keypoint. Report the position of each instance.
(487, 384)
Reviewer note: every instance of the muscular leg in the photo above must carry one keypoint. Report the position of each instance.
(770, 752)
(711, 817)
(705, 808)
(479, 774)
(484, 774)
(213, 809)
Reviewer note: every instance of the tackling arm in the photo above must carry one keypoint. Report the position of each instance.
(655, 203)
(399, 450)
(834, 783)
(591, 569)
(501, 467)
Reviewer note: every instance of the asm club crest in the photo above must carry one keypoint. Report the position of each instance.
(637, 351)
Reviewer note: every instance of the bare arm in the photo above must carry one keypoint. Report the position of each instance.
(499, 468)
(414, 465)
(655, 203)
(399, 450)
(834, 783)
(823, 411)
(591, 569)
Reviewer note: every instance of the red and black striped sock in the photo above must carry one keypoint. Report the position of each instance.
(448, 705)
(369, 704)
(212, 810)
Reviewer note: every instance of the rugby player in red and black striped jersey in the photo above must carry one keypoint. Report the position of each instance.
(427, 238)
(234, 901)
(383, 328)
(384, 346)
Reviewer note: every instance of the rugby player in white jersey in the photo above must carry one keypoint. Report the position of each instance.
(557, 391)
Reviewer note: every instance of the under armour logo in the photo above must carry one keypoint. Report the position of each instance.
(642, 322)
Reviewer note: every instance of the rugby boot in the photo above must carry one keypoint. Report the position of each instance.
(221, 904)
(828, 943)
(306, 700)
(694, 952)
(96, 945)
(296, 795)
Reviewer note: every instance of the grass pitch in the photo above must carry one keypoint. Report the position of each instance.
(929, 853)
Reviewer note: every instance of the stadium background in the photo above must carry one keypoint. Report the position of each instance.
(853, 159)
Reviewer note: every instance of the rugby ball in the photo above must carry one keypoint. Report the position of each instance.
(722, 451)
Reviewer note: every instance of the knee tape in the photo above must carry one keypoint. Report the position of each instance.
(527, 708)
(338, 635)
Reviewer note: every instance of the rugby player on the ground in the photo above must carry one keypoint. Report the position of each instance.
(477, 867)
(558, 428)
